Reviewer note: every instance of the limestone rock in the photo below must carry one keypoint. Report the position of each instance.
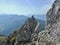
(29, 31)
(53, 14)
(26, 35)
(51, 34)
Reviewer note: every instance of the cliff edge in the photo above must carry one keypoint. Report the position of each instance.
(51, 34)
(26, 35)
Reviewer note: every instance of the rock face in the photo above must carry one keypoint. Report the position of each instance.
(53, 14)
(29, 31)
(51, 34)
(27, 35)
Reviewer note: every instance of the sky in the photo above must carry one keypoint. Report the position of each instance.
(24, 7)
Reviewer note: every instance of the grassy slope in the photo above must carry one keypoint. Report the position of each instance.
(2, 37)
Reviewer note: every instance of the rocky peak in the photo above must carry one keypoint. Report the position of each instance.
(25, 35)
(51, 35)
(33, 17)
(53, 14)
(28, 30)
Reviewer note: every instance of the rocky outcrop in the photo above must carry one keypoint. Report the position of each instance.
(51, 34)
(29, 33)
(53, 14)
(26, 35)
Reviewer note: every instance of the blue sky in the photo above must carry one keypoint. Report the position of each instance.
(24, 7)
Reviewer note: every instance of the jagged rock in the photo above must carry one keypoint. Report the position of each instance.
(51, 34)
(29, 31)
(24, 36)
(44, 38)
(27, 35)
(53, 14)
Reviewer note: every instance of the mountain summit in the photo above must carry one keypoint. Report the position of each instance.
(27, 34)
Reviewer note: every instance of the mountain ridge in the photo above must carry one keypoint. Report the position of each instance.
(11, 23)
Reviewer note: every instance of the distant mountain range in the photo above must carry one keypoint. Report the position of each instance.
(10, 23)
